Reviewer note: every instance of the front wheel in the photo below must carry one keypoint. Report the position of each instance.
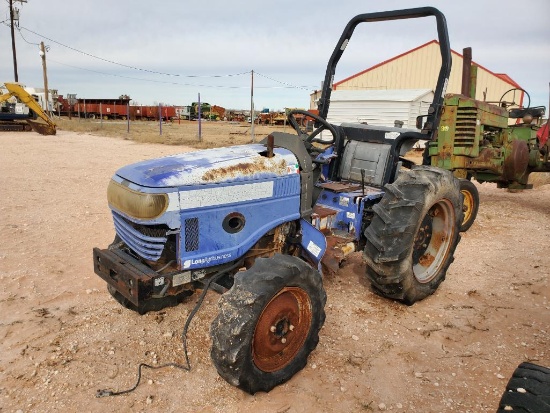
(470, 204)
(413, 234)
(268, 323)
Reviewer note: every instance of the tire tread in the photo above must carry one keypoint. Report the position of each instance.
(390, 236)
(232, 330)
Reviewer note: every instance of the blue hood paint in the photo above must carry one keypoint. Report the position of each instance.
(233, 164)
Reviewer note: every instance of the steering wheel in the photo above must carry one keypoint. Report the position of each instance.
(505, 104)
(312, 137)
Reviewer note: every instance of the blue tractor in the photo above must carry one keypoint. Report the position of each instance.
(261, 223)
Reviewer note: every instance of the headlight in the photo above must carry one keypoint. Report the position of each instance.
(136, 204)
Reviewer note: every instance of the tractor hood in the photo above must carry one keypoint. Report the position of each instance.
(229, 164)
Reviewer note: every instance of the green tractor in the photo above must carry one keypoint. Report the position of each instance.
(476, 140)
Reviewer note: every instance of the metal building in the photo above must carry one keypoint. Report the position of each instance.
(379, 107)
(418, 69)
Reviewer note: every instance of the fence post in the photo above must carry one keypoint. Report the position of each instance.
(199, 119)
(160, 119)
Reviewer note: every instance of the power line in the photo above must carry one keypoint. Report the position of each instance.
(165, 81)
(129, 66)
(147, 80)
(285, 85)
(26, 41)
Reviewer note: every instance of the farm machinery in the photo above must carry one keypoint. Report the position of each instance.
(475, 140)
(261, 223)
(23, 114)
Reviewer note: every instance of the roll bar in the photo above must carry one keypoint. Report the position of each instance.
(434, 111)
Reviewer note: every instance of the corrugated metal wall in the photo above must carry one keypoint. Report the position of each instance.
(419, 69)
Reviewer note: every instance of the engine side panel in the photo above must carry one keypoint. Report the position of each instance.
(220, 223)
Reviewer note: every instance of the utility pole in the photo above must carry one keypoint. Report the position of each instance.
(199, 119)
(13, 43)
(14, 16)
(252, 107)
(45, 72)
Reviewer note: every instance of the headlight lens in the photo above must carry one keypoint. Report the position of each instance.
(136, 204)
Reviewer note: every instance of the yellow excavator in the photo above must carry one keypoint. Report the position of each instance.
(25, 114)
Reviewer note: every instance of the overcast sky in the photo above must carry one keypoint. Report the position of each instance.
(170, 51)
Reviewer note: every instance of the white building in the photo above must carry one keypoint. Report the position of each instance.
(379, 107)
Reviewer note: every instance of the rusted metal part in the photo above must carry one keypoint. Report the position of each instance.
(464, 124)
(130, 281)
(270, 144)
(341, 186)
(41, 128)
(282, 329)
(130, 278)
(273, 242)
(515, 164)
(433, 241)
(339, 243)
(466, 66)
(489, 159)
(338, 248)
(473, 81)
(257, 166)
(486, 109)
(322, 218)
(475, 137)
(460, 173)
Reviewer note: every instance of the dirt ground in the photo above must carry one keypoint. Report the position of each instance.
(63, 337)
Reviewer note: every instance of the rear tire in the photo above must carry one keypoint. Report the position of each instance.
(268, 323)
(413, 234)
(470, 204)
(527, 391)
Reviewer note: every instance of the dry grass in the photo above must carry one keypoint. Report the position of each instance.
(538, 179)
(213, 134)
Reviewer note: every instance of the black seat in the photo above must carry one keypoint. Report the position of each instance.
(518, 113)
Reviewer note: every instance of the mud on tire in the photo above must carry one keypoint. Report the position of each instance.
(413, 234)
(268, 323)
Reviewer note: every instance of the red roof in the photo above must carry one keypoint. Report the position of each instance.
(502, 76)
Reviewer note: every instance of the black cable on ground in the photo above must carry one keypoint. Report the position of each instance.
(187, 366)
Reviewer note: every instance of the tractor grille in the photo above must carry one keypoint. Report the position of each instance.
(147, 241)
(191, 234)
(465, 132)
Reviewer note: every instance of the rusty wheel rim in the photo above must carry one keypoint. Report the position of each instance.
(433, 241)
(282, 329)
(468, 205)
